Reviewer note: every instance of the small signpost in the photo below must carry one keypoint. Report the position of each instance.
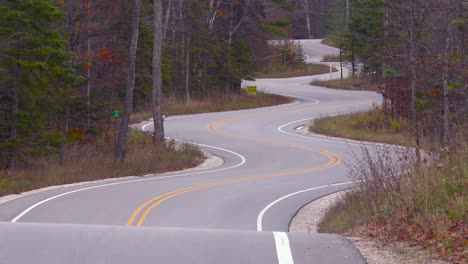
(251, 90)
(116, 113)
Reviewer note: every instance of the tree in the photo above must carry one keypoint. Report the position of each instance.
(157, 73)
(34, 67)
(120, 152)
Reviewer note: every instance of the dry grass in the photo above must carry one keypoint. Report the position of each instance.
(398, 199)
(333, 58)
(351, 83)
(423, 206)
(85, 162)
(367, 126)
(214, 104)
(310, 69)
(330, 40)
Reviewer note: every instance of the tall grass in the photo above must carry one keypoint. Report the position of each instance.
(285, 72)
(350, 83)
(400, 200)
(85, 162)
(368, 126)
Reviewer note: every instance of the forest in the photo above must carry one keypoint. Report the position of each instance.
(72, 72)
(415, 51)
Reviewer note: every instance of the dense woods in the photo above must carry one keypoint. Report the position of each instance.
(416, 52)
(73, 71)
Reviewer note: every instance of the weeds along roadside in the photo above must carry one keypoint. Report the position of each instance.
(94, 161)
(397, 199)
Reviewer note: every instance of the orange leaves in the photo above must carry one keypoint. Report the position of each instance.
(105, 53)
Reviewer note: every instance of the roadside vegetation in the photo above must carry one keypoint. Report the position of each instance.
(415, 193)
(67, 92)
(350, 83)
(307, 69)
(421, 205)
(93, 160)
(371, 126)
(213, 104)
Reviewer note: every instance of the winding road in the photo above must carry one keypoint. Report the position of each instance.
(238, 212)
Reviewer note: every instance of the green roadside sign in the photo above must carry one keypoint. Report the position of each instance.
(116, 113)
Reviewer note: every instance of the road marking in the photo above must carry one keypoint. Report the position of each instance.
(337, 140)
(262, 213)
(242, 162)
(315, 101)
(283, 249)
(166, 196)
(333, 160)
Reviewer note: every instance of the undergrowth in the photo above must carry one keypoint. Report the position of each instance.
(86, 162)
(371, 126)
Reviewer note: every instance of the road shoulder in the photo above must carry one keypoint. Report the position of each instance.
(374, 251)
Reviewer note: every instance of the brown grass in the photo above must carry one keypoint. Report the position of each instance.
(214, 104)
(333, 58)
(310, 69)
(351, 83)
(330, 40)
(398, 199)
(86, 162)
(424, 206)
(367, 126)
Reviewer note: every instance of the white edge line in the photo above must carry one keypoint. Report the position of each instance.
(243, 160)
(344, 141)
(262, 213)
(283, 249)
(315, 101)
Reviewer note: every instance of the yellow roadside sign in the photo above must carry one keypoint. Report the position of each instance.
(251, 90)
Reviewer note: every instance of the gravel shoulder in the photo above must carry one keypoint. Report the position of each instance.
(373, 250)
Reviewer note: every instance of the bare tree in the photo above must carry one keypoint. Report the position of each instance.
(305, 7)
(120, 148)
(157, 73)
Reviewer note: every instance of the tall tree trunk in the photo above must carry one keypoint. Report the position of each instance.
(120, 148)
(166, 18)
(413, 49)
(88, 68)
(157, 74)
(227, 85)
(384, 85)
(305, 6)
(187, 70)
(348, 13)
(14, 112)
(445, 76)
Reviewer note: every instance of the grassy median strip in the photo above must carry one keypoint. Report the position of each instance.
(370, 126)
(309, 69)
(350, 83)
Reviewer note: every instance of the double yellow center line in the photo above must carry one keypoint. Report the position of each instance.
(139, 216)
(141, 213)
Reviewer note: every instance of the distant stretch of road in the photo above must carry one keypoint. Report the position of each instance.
(236, 213)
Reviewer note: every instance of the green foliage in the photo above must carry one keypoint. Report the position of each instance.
(285, 4)
(242, 61)
(277, 28)
(34, 58)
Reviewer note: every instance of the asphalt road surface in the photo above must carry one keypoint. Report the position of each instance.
(236, 213)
